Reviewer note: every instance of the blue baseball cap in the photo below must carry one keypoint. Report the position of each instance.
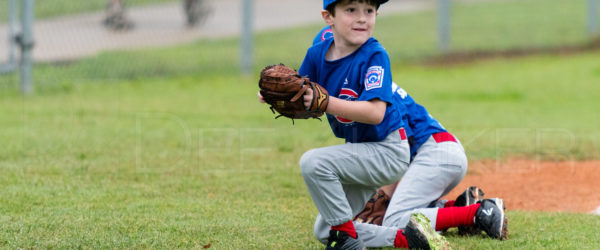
(329, 2)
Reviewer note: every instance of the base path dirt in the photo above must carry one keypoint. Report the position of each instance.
(537, 185)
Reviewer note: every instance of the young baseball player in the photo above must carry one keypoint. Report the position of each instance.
(438, 164)
(366, 110)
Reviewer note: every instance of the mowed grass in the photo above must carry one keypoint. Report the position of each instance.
(541, 107)
(169, 148)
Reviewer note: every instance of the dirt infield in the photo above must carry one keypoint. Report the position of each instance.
(537, 185)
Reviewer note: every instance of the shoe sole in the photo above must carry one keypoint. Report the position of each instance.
(422, 224)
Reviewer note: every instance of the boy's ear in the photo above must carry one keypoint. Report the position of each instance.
(327, 17)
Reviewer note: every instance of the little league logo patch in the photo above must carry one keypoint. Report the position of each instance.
(374, 78)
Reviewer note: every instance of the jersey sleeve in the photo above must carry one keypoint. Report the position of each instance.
(308, 67)
(377, 79)
(324, 33)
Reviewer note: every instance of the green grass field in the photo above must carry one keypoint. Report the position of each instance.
(169, 148)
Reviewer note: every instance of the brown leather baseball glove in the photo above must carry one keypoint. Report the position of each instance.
(283, 88)
(374, 209)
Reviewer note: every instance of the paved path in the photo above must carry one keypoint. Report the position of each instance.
(72, 37)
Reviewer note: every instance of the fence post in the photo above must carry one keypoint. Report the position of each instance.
(247, 37)
(444, 25)
(12, 20)
(593, 17)
(26, 42)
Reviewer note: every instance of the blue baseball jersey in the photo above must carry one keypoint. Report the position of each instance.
(363, 75)
(418, 123)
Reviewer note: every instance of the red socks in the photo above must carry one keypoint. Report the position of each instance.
(347, 227)
(449, 203)
(455, 216)
(400, 240)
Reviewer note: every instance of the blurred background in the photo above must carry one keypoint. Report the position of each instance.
(65, 31)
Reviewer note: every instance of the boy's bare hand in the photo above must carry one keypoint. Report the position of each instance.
(260, 97)
(308, 98)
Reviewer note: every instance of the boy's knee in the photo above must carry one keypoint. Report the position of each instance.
(307, 163)
(310, 163)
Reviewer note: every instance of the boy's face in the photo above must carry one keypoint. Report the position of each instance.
(353, 22)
